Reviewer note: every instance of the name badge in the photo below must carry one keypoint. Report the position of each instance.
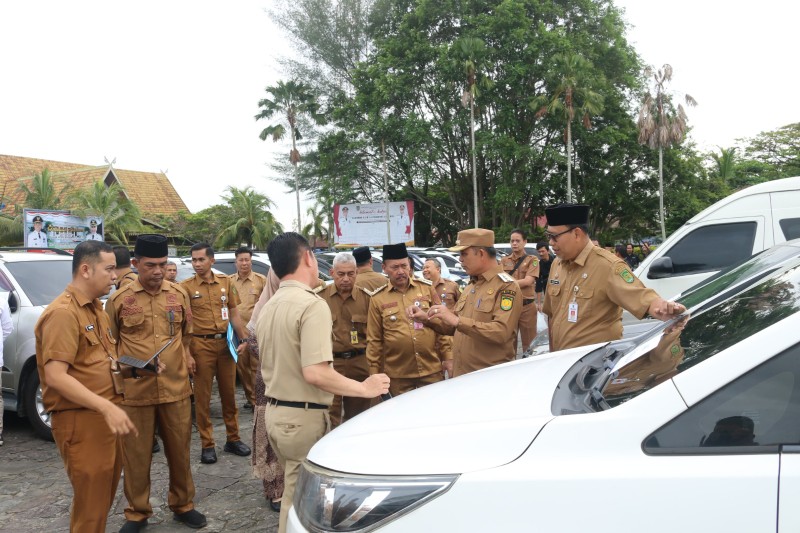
(224, 313)
(353, 336)
(418, 325)
(572, 314)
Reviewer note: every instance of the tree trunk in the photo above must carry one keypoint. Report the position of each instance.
(661, 192)
(296, 181)
(569, 163)
(474, 171)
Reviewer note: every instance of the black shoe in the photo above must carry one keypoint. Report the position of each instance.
(132, 526)
(193, 519)
(156, 446)
(247, 405)
(237, 447)
(208, 455)
(275, 506)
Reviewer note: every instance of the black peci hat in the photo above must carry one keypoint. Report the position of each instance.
(151, 245)
(362, 255)
(395, 251)
(567, 215)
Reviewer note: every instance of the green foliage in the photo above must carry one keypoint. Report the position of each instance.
(771, 155)
(252, 222)
(120, 215)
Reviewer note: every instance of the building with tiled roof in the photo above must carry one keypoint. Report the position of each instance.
(152, 192)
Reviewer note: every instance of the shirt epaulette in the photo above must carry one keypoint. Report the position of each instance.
(423, 280)
(365, 291)
(376, 291)
(318, 289)
(505, 277)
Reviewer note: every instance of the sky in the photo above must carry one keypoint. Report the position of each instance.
(173, 85)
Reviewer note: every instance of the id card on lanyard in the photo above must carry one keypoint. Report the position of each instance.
(224, 300)
(572, 312)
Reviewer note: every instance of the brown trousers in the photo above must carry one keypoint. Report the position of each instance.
(174, 422)
(92, 457)
(246, 368)
(398, 386)
(527, 325)
(213, 359)
(292, 432)
(355, 368)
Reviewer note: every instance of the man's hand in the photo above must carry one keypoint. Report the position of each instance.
(665, 309)
(447, 366)
(444, 314)
(375, 385)
(161, 366)
(118, 421)
(417, 314)
(191, 365)
(242, 348)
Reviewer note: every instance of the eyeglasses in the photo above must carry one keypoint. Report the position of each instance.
(555, 236)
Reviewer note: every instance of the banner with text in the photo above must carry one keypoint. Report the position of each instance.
(366, 224)
(59, 229)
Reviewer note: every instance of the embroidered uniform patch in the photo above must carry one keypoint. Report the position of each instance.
(129, 300)
(626, 275)
(507, 300)
(390, 304)
(172, 299)
(130, 310)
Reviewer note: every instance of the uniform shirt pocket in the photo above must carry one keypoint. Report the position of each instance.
(95, 352)
(133, 325)
(360, 323)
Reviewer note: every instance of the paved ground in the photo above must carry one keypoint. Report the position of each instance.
(35, 493)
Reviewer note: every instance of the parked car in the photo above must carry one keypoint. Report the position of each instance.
(692, 426)
(30, 281)
(723, 234)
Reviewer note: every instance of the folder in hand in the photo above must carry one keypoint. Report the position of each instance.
(150, 365)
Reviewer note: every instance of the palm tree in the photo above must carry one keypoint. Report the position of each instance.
(661, 126)
(471, 49)
(317, 228)
(254, 224)
(41, 194)
(725, 163)
(572, 94)
(119, 213)
(292, 99)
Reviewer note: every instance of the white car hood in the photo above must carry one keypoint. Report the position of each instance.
(477, 421)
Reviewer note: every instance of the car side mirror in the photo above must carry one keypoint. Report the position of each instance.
(13, 303)
(661, 268)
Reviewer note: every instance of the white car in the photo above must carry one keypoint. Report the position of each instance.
(692, 426)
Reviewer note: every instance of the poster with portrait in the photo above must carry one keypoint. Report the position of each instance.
(59, 229)
(366, 224)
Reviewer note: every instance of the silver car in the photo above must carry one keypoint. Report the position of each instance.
(30, 281)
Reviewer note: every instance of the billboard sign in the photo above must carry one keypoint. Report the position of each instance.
(366, 224)
(59, 229)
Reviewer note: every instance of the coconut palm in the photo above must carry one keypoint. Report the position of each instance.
(119, 213)
(254, 224)
(572, 95)
(317, 228)
(725, 164)
(661, 125)
(41, 193)
(293, 99)
(471, 51)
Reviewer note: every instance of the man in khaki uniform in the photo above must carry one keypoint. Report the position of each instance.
(411, 354)
(294, 338)
(214, 302)
(589, 286)
(249, 285)
(124, 272)
(484, 321)
(145, 315)
(366, 277)
(349, 305)
(525, 269)
(171, 272)
(76, 360)
(447, 290)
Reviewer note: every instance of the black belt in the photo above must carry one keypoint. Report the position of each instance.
(298, 405)
(527, 302)
(211, 336)
(348, 355)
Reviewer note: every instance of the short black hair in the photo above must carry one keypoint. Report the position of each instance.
(621, 250)
(284, 252)
(542, 245)
(89, 252)
(583, 227)
(243, 250)
(122, 255)
(202, 246)
(521, 232)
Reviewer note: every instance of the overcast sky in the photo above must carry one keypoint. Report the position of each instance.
(173, 85)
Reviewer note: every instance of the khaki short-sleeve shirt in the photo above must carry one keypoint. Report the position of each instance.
(294, 331)
(600, 285)
(249, 289)
(529, 268)
(349, 316)
(143, 323)
(126, 277)
(206, 300)
(396, 345)
(371, 280)
(75, 330)
(448, 292)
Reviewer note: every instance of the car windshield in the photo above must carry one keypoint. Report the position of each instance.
(41, 281)
(714, 326)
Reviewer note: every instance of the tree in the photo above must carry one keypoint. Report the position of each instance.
(317, 229)
(771, 155)
(572, 93)
(661, 125)
(120, 215)
(292, 99)
(41, 194)
(253, 223)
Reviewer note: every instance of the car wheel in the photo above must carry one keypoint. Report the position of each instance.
(34, 407)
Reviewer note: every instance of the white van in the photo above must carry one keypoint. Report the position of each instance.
(725, 233)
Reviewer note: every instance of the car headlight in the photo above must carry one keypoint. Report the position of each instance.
(327, 501)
